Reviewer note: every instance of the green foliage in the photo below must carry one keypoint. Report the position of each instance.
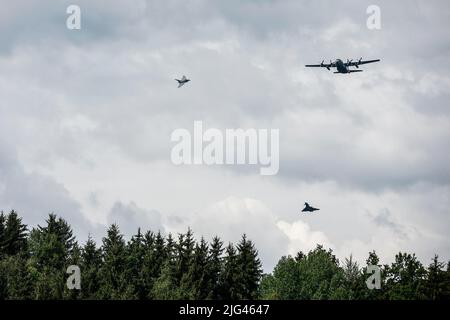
(250, 269)
(91, 263)
(113, 281)
(151, 266)
(13, 234)
(230, 280)
(405, 278)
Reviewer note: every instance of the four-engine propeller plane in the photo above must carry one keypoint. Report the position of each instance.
(341, 66)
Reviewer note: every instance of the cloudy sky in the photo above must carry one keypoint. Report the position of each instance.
(86, 117)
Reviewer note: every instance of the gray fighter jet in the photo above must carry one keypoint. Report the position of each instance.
(341, 66)
(308, 208)
(183, 81)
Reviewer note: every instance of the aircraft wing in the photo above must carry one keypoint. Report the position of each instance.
(180, 84)
(183, 79)
(324, 65)
(360, 62)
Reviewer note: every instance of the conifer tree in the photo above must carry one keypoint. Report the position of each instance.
(152, 260)
(215, 265)
(195, 283)
(250, 268)
(166, 285)
(91, 263)
(113, 268)
(134, 266)
(185, 250)
(230, 278)
(436, 280)
(15, 235)
(51, 247)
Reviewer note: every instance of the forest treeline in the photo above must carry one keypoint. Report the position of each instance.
(33, 265)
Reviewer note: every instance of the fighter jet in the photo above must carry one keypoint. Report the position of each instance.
(308, 208)
(341, 66)
(183, 81)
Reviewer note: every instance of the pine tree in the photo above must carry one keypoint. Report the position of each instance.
(230, 279)
(91, 263)
(215, 265)
(154, 255)
(51, 247)
(185, 250)
(166, 285)
(435, 282)
(15, 235)
(134, 266)
(250, 268)
(61, 229)
(195, 283)
(353, 280)
(114, 261)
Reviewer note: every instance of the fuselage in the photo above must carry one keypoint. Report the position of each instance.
(340, 66)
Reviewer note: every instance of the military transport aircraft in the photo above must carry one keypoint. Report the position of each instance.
(308, 208)
(341, 66)
(183, 81)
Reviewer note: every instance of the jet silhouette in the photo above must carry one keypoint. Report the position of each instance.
(183, 81)
(308, 208)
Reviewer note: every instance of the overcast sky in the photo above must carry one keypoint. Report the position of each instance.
(86, 117)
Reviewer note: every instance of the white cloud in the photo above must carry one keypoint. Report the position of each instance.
(87, 118)
(301, 237)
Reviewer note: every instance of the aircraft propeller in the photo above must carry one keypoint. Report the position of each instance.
(331, 64)
(359, 61)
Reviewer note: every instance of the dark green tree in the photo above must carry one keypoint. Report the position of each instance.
(165, 286)
(250, 268)
(285, 282)
(215, 265)
(322, 278)
(91, 263)
(435, 286)
(51, 248)
(354, 280)
(154, 257)
(195, 283)
(405, 278)
(14, 235)
(185, 250)
(134, 266)
(113, 284)
(230, 278)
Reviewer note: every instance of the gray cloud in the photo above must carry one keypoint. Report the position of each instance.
(129, 217)
(88, 115)
(34, 196)
(384, 219)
